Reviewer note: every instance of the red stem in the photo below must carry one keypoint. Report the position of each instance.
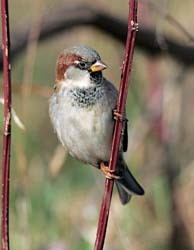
(124, 83)
(7, 125)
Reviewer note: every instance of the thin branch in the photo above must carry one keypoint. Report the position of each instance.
(126, 69)
(7, 126)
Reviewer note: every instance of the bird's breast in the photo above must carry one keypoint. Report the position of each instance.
(86, 131)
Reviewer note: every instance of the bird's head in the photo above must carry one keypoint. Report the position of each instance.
(79, 66)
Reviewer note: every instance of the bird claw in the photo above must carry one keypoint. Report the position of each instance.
(108, 173)
(119, 116)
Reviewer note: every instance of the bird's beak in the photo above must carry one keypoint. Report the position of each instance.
(98, 66)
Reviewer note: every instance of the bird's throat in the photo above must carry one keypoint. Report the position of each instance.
(86, 97)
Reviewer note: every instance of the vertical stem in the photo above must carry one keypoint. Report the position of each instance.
(126, 69)
(7, 126)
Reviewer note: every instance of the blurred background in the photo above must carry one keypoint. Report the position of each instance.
(55, 200)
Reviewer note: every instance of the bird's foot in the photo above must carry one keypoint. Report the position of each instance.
(119, 116)
(109, 174)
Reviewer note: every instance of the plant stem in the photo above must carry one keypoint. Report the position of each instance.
(7, 125)
(126, 69)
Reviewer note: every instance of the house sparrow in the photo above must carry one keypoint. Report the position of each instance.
(81, 111)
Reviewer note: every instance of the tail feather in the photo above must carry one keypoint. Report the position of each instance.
(127, 184)
(123, 195)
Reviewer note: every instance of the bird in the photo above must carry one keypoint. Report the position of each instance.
(82, 111)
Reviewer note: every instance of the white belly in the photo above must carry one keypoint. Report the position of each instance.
(85, 132)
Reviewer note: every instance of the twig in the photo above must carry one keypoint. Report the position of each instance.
(126, 69)
(7, 126)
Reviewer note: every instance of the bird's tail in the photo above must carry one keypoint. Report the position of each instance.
(127, 184)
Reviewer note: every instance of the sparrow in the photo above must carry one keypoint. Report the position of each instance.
(82, 110)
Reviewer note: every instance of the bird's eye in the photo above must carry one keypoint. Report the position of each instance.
(82, 65)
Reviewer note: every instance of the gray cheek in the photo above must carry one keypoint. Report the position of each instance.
(74, 73)
(69, 73)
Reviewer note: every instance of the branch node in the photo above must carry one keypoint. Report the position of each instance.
(7, 124)
(134, 25)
